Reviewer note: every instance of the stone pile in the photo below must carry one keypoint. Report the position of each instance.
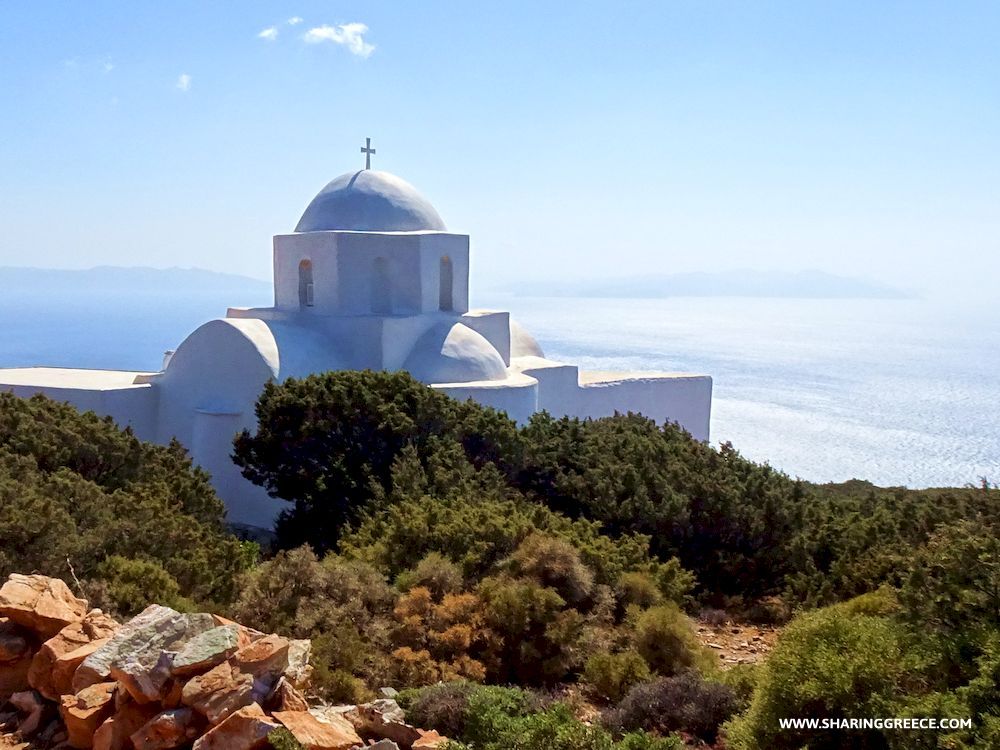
(72, 677)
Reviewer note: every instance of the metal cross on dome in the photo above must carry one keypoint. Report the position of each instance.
(367, 150)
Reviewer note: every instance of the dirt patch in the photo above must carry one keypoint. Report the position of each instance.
(738, 644)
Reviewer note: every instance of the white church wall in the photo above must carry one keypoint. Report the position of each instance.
(358, 339)
(133, 406)
(517, 396)
(400, 335)
(558, 385)
(685, 399)
(492, 326)
(379, 273)
(221, 367)
(211, 448)
(435, 247)
(320, 249)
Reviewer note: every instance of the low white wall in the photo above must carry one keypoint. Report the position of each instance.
(518, 397)
(686, 400)
(133, 407)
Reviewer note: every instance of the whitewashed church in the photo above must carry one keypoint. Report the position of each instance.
(370, 279)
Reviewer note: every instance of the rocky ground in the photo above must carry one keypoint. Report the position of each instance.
(738, 644)
(72, 677)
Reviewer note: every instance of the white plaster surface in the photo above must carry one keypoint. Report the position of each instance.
(372, 255)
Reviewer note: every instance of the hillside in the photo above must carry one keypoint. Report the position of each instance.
(562, 585)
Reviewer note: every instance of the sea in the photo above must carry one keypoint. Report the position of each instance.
(898, 392)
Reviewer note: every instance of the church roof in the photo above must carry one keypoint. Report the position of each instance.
(370, 201)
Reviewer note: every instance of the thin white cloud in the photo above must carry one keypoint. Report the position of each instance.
(270, 33)
(184, 82)
(350, 35)
(294, 21)
(108, 65)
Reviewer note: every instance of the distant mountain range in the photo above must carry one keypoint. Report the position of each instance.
(801, 284)
(235, 289)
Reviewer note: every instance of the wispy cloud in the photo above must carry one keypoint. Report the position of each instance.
(350, 35)
(184, 82)
(294, 20)
(270, 33)
(108, 65)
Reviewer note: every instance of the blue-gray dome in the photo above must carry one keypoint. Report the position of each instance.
(370, 201)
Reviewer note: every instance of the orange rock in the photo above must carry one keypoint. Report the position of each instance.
(115, 733)
(318, 735)
(246, 729)
(429, 740)
(248, 677)
(53, 667)
(173, 693)
(84, 712)
(60, 677)
(247, 635)
(286, 698)
(266, 656)
(41, 604)
(219, 692)
(169, 729)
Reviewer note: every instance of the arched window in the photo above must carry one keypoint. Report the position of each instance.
(446, 285)
(381, 286)
(306, 283)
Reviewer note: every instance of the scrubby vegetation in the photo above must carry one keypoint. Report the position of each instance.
(136, 522)
(510, 575)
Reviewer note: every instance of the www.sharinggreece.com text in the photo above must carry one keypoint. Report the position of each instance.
(888, 723)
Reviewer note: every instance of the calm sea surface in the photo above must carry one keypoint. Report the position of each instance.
(898, 392)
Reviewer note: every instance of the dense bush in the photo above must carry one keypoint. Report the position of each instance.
(610, 675)
(345, 606)
(328, 442)
(446, 706)
(665, 639)
(684, 703)
(724, 517)
(413, 472)
(471, 518)
(75, 489)
(836, 662)
(485, 718)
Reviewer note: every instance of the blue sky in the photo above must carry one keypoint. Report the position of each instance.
(582, 139)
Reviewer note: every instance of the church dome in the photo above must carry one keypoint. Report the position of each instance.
(454, 353)
(370, 201)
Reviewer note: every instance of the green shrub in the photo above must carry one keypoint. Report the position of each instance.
(76, 487)
(539, 639)
(447, 706)
(493, 727)
(282, 739)
(684, 703)
(639, 589)
(479, 531)
(344, 606)
(327, 444)
(611, 675)
(828, 663)
(742, 680)
(555, 564)
(126, 587)
(434, 572)
(665, 638)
